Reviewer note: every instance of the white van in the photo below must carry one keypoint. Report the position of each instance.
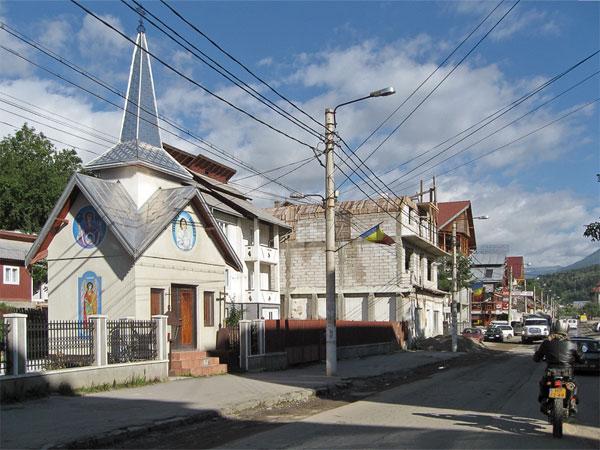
(572, 324)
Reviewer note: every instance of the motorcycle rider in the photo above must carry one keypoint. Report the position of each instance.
(559, 354)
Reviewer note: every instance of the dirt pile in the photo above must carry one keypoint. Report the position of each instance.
(444, 344)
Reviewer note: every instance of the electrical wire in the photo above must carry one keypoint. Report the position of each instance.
(437, 86)
(195, 83)
(497, 114)
(239, 63)
(496, 131)
(518, 139)
(221, 153)
(220, 69)
(428, 77)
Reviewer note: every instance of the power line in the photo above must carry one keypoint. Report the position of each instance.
(429, 76)
(498, 130)
(497, 114)
(52, 139)
(518, 139)
(112, 138)
(227, 75)
(221, 152)
(239, 63)
(195, 83)
(437, 86)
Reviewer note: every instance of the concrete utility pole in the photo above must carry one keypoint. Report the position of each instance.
(331, 332)
(330, 197)
(454, 289)
(510, 275)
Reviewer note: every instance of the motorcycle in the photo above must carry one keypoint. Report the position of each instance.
(560, 402)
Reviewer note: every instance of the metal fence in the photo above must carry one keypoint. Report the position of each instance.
(4, 329)
(131, 340)
(59, 345)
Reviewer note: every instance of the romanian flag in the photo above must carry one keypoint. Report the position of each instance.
(477, 291)
(376, 235)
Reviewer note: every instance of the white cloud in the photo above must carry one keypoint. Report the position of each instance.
(56, 33)
(96, 40)
(79, 118)
(544, 227)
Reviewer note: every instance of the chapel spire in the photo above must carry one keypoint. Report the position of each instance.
(140, 118)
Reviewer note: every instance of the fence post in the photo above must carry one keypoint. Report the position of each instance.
(245, 337)
(17, 343)
(261, 336)
(100, 340)
(162, 350)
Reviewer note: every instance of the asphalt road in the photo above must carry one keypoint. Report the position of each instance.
(490, 405)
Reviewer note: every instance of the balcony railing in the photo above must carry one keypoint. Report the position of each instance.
(262, 296)
(264, 254)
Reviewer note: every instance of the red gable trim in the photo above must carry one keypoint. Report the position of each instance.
(201, 164)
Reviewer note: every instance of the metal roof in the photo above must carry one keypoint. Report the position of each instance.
(138, 152)
(254, 210)
(14, 250)
(218, 204)
(140, 117)
(140, 141)
(488, 259)
(135, 228)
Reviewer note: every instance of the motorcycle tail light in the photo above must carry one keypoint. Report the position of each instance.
(557, 383)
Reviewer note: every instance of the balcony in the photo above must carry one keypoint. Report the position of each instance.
(269, 297)
(264, 254)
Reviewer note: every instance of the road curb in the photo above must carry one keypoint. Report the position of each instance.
(107, 439)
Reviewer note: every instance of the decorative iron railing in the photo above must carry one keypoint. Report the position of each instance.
(131, 340)
(59, 345)
(4, 329)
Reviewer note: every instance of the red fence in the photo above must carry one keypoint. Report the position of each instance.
(304, 340)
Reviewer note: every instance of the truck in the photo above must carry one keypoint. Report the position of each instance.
(535, 328)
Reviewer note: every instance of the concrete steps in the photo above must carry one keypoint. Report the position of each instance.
(196, 363)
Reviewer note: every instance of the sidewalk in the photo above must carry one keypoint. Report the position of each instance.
(58, 420)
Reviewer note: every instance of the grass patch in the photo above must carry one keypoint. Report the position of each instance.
(133, 383)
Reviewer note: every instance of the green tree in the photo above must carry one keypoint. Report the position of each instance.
(33, 175)
(592, 230)
(463, 273)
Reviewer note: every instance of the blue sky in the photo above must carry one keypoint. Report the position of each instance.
(538, 190)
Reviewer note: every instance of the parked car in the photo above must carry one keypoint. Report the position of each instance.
(572, 324)
(596, 326)
(493, 334)
(591, 351)
(507, 331)
(475, 333)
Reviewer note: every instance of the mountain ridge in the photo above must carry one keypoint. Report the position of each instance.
(590, 260)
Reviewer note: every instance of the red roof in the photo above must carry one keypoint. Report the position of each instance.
(449, 210)
(518, 267)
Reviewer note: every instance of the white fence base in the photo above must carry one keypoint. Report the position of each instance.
(66, 380)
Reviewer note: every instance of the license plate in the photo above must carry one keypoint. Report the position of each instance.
(558, 393)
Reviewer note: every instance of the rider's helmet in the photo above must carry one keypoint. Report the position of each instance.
(559, 326)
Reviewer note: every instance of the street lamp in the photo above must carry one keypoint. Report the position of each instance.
(330, 314)
(299, 196)
(453, 305)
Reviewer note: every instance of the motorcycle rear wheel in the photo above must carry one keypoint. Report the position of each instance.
(557, 418)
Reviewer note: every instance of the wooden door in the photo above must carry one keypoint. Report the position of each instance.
(185, 309)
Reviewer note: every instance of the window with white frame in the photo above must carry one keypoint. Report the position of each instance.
(11, 275)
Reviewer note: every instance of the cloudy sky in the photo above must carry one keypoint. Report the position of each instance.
(499, 103)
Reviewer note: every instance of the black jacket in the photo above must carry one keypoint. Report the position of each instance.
(558, 352)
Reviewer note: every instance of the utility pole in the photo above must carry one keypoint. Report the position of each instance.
(454, 286)
(331, 313)
(510, 276)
